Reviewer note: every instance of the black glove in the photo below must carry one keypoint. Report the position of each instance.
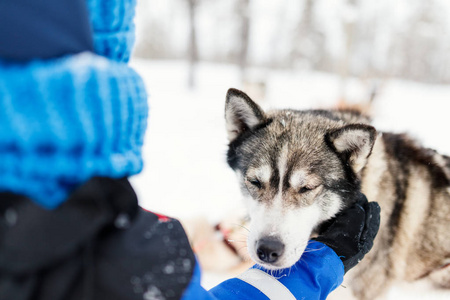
(351, 233)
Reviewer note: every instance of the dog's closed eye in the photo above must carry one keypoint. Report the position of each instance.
(255, 182)
(307, 189)
(304, 190)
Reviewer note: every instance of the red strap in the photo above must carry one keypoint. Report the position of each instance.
(161, 218)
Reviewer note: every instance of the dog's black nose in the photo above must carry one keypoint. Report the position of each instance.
(269, 250)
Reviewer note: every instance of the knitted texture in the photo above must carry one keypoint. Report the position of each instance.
(63, 121)
(113, 27)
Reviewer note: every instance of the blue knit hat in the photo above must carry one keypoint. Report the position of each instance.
(113, 27)
(65, 120)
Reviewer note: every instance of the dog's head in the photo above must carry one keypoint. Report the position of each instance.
(296, 169)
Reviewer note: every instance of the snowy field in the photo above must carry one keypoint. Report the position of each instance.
(185, 172)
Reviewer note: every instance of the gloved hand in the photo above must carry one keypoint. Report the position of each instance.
(351, 233)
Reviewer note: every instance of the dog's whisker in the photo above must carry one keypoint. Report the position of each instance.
(243, 234)
(242, 226)
(279, 274)
(236, 241)
(247, 255)
(307, 250)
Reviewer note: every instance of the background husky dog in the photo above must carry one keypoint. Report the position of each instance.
(297, 169)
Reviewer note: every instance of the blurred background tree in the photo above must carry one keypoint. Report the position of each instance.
(373, 40)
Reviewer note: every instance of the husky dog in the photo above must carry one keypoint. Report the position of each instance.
(297, 169)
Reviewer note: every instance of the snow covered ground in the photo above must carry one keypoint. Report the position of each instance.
(185, 172)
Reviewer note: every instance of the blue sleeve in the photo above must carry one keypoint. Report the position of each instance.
(314, 276)
(195, 291)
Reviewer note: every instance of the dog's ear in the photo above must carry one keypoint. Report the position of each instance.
(241, 113)
(354, 143)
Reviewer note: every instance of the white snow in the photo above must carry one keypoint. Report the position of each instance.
(185, 172)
